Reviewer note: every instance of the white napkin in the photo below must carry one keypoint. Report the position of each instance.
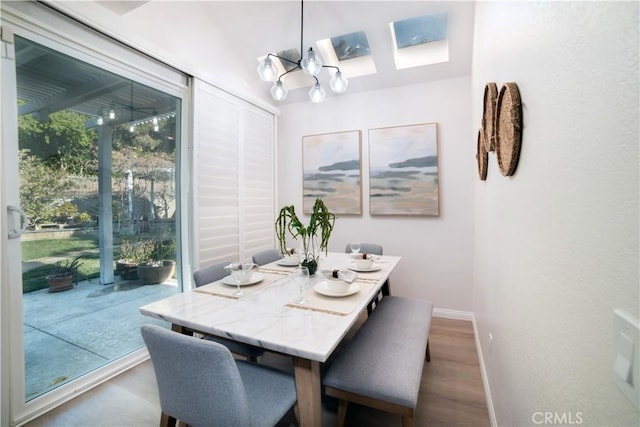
(369, 256)
(344, 275)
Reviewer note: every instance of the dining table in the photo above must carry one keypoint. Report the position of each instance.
(271, 316)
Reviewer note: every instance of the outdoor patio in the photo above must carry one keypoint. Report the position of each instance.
(70, 333)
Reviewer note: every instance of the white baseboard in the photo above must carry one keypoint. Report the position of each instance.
(483, 372)
(453, 314)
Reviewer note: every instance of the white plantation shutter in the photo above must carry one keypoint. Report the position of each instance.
(258, 201)
(234, 184)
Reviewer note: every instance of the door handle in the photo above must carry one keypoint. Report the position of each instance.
(15, 232)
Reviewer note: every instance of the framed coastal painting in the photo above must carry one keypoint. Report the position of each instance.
(332, 171)
(403, 170)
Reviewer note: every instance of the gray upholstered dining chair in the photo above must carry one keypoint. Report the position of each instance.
(212, 273)
(267, 256)
(201, 384)
(374, 249)
(367, 248)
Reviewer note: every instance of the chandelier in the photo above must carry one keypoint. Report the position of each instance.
(311, 65)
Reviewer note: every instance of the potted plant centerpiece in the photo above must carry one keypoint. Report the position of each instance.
(63, 275)
(321, 221)
(157, 268)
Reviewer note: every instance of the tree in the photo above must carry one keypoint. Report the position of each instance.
(62, 141)
(61, 146)
(40, 187)
(145, 140)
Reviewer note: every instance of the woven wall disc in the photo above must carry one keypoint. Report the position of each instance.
(489, 115)
(482, 156)
(508, 128)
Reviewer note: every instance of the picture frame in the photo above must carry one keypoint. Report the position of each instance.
(403, 170)
(332, 171)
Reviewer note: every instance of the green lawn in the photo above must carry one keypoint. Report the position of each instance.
(48, 251)
(35, 279)
(35, 249)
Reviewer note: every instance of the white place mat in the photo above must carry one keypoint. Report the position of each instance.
(274, 268)
(222, 290)
(333, 305)
(371, 275)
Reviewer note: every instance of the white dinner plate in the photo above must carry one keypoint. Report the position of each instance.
(287, 263)
(363, 270)
(324, 288)
(251, 280)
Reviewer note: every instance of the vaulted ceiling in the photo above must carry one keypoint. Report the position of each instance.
(223, 39)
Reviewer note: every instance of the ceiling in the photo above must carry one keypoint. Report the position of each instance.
(49, 81)
(225, 38)
(255, 29)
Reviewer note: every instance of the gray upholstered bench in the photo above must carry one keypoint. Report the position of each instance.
(381, 367)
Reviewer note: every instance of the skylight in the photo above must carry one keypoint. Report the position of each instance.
(420, 30)
(292, 55)
(421, 40)
(350, 52)
(352, 45)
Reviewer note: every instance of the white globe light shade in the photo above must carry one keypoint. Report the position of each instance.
(279, 91)
(317, 93)
(338, 82)
(267, 70)
(311, 64)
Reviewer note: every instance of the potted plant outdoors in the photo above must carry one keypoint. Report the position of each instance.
(63, 275)
(321, 221)
(131, 253)
(157, 268)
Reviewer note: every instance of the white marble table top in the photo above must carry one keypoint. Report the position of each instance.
(263, 319)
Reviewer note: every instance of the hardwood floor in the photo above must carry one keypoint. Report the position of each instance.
(451, 393)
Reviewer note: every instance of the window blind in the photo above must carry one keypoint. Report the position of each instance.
(234, 177)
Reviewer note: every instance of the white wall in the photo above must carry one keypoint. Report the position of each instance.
(551, 251)
(436, 251)
(179, 33)
(556, 245)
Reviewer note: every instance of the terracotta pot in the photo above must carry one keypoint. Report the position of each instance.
(60, 283)
(152, 275)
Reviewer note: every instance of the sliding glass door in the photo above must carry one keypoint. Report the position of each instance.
(94, 177)
(97, 182)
